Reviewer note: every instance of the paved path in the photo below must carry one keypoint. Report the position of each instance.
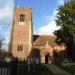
(56, 70)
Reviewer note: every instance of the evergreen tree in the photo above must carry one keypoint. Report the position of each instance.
(66, 19)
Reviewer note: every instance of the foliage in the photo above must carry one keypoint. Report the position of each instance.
(66, 19)
(4, 55)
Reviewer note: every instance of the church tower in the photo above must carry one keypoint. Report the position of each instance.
(21, 33)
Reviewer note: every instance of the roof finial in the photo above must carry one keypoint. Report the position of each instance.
(47, 42)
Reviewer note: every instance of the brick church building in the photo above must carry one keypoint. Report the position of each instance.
(23, 44)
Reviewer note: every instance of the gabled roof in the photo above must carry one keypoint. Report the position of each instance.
(42, 40)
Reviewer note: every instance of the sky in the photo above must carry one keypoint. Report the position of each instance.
(43, 15)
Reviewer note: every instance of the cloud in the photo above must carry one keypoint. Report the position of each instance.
(6, 9)
(53, 17)
(50, 27)
(60, 2)
(6, 14)
(49, 18)
(47, 29)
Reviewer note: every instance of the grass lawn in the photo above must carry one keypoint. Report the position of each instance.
(70, 69)
(40, 70)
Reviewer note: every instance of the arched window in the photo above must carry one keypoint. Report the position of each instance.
(22, 18)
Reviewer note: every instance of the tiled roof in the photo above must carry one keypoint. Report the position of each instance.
(42, 40)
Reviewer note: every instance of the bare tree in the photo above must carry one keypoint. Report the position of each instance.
(1, 42)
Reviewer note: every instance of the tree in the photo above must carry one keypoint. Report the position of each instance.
(66, 19)
(1, 45)
(1, 42)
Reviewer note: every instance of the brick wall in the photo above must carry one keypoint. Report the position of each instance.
(21, 33)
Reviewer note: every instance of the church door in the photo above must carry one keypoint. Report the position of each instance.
(46, 58)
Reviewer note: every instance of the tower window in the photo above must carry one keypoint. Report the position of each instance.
(20, 48)
(22, 18)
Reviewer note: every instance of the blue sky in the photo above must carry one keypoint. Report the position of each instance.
(42, 10)
(43, 15)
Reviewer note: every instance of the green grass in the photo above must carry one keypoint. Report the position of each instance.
(70, 69)
(40, 70)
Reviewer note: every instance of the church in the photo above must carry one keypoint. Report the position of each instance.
(24, 45)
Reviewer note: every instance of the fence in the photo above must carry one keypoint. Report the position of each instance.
(13, 68)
